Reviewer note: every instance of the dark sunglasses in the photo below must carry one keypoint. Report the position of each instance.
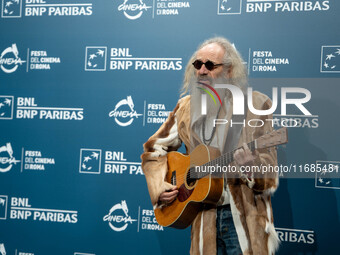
(209, 65)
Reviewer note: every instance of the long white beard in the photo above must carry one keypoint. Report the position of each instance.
(212, 136)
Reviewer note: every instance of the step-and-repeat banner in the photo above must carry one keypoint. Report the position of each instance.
(84, 83)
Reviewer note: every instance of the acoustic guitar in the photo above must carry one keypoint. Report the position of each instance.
(196, 188)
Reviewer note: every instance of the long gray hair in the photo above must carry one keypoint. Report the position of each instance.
(231, 59)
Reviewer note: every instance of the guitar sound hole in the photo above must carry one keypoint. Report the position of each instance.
(191, 182)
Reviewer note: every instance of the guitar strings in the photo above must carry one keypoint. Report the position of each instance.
(188, 175)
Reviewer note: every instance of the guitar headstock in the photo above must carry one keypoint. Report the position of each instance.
(274, 138)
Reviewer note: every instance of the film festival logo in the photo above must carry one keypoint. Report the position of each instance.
(118, 217)
(10, 60)
(11, 9)
(226, 7)
(90, 161)
(325, 178)
(330, 59)
(3, 207)
(124, 112)
(95, 58)
(7, 160)
(133, 9)
(6, 107)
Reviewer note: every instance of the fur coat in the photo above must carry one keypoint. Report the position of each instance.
(250, 198)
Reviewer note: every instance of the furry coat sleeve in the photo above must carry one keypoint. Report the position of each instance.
(154, 159)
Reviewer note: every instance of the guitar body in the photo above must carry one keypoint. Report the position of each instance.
(193, 193)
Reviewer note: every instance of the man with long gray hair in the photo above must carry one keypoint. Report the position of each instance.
(241, 222)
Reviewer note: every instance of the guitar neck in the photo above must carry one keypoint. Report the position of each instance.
(227, 158)
(271, 139)
(222, 160)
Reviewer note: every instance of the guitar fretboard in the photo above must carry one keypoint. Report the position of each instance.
(223, 160)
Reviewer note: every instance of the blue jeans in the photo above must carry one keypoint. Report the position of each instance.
(226, 238)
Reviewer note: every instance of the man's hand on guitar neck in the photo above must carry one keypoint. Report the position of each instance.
(168, 196)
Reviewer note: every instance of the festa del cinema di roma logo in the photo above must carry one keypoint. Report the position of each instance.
(10, 60)
(133, 9)
(6, 158)
(118, 221)
(124, 112)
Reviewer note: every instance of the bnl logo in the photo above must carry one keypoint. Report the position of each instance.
(229, 7)
(330, 59)
(6, 107)
(95, 58)
(3, 207)
(11, 8)
(90, 160)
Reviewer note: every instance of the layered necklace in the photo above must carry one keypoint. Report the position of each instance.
(205, 140)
